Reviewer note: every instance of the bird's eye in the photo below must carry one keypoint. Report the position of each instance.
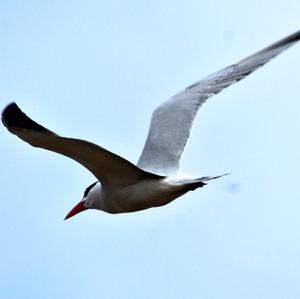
(87, 190)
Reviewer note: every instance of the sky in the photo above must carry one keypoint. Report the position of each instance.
(95, 70)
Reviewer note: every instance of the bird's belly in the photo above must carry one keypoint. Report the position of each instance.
(140, 197)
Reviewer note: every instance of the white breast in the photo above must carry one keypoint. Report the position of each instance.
(140, 196)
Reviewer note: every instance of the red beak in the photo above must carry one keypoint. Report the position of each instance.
(77, 209)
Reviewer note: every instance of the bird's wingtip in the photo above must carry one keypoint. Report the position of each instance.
(7, 112)
(14, 117)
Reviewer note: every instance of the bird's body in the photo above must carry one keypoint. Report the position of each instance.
(156, 180)
(143, 195)
(147, 193)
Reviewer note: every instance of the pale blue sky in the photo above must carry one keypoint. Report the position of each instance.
(96, 70)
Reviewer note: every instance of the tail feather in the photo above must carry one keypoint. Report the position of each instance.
(198, 183)
(208, 178)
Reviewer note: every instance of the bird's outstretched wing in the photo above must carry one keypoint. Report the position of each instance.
(107, 167)
(172, 121)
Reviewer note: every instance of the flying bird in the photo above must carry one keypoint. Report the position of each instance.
(156, 180)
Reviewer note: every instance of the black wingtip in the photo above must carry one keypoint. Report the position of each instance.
(8, 114)
(295, 37)
(286, 41)
(290, 39)
(14, 117)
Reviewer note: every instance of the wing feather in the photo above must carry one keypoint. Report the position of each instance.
(107, 167)
(171, 122)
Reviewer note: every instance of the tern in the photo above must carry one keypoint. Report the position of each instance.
(156, 180)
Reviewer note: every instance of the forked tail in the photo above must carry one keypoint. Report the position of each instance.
(200, 182)
(208, 178)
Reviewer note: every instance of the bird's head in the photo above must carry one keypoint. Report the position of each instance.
(86, 202)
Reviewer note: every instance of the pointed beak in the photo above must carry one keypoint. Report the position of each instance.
(77, 209)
